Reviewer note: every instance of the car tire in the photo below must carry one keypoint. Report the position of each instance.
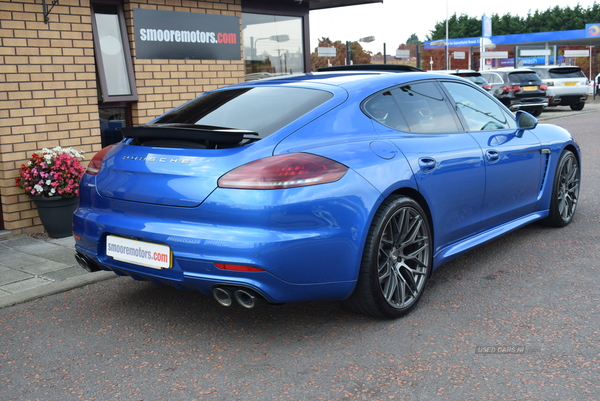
(397, 261)
(565, 191)
(577, 106)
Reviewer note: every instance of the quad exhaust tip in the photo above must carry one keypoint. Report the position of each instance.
(223, 296)
(244, 297)
(85, 263)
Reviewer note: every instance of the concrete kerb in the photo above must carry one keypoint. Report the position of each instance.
(36, 266)
(54, 288)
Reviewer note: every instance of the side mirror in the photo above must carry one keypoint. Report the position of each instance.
(525, 121)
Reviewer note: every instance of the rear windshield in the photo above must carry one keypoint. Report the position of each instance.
(523, 77)
(566, 73)
(263, 110)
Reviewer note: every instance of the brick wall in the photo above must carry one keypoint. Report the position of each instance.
(48, 94)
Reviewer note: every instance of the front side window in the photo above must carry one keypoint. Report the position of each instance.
(273, 45)
(479, 111)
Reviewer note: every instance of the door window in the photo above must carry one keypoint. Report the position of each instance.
(425, 109)
(479, 112)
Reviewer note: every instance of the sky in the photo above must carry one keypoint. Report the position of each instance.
(394, 21)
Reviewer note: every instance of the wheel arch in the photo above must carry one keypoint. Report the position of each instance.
(416, 195)
(575, 151)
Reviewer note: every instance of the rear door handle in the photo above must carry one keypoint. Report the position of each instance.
(427, 164)
(492, 155)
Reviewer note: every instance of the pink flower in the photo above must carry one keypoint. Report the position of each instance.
(55, 170)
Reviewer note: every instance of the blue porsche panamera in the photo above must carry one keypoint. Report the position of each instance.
(336, 185)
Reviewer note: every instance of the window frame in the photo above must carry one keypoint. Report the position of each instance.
(101, 73)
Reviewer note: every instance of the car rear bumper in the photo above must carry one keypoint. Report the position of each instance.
(308, 244)
(567, 100)
(517, 104)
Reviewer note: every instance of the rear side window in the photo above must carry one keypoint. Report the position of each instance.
(493, 78)
(417, 107)
(523, 77)
(263, 110)
(383, 108)
(425, 108)
(560, 73)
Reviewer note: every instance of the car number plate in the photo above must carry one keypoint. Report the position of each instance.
(570, 84)
(139, 253)
(530, 88)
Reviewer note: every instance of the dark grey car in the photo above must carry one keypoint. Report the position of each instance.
(518, 89)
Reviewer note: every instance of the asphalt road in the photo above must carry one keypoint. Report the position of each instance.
(518, 319)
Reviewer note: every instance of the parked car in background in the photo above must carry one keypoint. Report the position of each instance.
(518, 89)
(336, 185)
(471, 75)
(567, 85)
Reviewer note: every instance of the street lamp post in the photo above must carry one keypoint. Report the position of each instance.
(366, 39)
(275, 38)
(446, 51)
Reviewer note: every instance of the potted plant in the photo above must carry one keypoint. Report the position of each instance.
(52, 179)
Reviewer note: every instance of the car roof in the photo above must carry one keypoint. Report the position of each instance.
(510, 69)
(457, 71)
(371, 67)
(351, 81)
(548, 67)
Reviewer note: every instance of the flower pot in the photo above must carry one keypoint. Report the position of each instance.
(57, 214)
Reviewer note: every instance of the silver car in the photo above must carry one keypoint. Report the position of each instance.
(567, 85)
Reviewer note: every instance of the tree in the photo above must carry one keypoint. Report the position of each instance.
(413, 40)
(550, 20)
(359, 56)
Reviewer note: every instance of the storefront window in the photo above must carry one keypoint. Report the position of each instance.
(273, 45)
(111, 119)
(113, 58)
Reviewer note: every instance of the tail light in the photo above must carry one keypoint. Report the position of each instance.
(550, 83)
(544, 87)
(96, 163)
(514, 88)
(284, 171)
(487, 87)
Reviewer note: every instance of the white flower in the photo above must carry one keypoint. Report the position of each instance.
(38, 188)
(49, 154)
(52, 191)
(48, 182)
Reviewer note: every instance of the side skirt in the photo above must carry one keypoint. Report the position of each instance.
(458, 248)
